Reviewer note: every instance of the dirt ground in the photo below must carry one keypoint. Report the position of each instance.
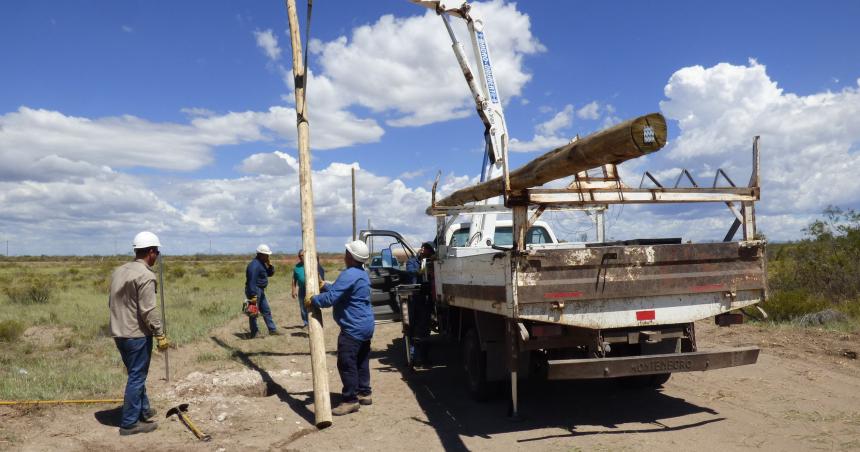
(803, 394)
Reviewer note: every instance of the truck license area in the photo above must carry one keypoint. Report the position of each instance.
(667, 365)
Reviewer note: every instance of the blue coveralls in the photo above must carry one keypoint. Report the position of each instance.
(256, 280)
(350, 298)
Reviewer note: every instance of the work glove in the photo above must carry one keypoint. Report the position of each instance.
(322, 285)
(162, 343)
(309, 303)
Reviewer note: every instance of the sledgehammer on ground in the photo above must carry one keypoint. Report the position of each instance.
(180, 410)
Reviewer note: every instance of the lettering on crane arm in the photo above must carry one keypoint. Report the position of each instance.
(488, 70)
(667, 365)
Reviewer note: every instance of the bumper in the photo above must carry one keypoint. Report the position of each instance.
(575, 369)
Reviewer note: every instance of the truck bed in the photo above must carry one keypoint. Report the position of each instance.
(609, 286)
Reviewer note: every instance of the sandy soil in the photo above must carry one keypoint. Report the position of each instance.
(803, 394)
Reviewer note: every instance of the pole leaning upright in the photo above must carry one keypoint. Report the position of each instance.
(322, 400)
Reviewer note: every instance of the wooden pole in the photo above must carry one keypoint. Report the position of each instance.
(353, 203)
(163, 315)
(322, 398)
(630, 139)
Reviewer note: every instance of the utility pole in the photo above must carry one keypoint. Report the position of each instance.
(353, 203)
(7, 248)
(322, 398)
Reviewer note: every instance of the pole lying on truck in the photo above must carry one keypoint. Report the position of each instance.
(577, 310)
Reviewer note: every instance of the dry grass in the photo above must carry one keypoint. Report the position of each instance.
(78, 358)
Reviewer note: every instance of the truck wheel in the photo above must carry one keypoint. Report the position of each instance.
(475, 366)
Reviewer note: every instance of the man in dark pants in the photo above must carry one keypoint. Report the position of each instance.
(349, 296)
(134, 320)
(421, 304)
(256, 280)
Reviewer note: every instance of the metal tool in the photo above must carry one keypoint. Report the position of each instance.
(180, 411)
(163, 315)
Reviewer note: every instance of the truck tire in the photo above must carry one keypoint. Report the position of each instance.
(475, 366)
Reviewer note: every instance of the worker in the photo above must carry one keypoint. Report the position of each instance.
(298, 285)
(414, 267)
(349, 296)
(256, 279)
(134, 320)
(420, 304)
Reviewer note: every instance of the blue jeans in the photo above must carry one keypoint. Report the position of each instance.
(136, 353)
(353, 364)
(266, 312)
(302, 306)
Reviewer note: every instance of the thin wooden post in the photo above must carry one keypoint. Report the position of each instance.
(353, 203)
(322, 398)
(163, 315)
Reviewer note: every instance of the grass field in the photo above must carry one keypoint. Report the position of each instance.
(54, 338)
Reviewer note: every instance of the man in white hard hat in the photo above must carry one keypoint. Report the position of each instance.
(256, 280)
(134, 320)
(349, 296)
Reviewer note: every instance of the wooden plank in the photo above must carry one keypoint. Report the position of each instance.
(630, 139)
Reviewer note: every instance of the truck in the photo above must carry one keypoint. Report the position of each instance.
(596, 309)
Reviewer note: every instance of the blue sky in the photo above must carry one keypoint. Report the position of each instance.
(177, 116)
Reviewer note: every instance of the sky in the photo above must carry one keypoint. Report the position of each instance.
(178, 117)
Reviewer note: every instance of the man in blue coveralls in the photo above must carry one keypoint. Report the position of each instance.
(298, 284)
(349, 297)
(256, 280)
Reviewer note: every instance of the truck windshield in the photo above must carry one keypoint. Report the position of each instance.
(504, 236)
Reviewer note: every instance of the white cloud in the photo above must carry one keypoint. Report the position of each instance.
(272, 164)
(589, 111)
(197, 111)
(407, 175)
(127, 29)
(33, 141)
(546, 135)
(561, 120)
(407, 68)
(268, 42)
(809, 143)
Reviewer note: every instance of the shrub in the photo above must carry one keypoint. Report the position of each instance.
(10, 330)
(174, 272)
(789, 304)
(30, 292)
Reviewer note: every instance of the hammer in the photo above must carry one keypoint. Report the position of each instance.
(180, 411)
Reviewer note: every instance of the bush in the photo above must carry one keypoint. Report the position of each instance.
(30, 292)
(10, 330)
(790, 304)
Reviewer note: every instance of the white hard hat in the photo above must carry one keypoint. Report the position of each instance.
(358, 250)
(264, 249)
(145, 239)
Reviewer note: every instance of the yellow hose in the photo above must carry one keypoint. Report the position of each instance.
(56, 402)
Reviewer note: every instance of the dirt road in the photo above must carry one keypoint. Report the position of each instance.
(804, 394)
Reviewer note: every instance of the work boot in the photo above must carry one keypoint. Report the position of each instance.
(275, 333)
(345, 408)
(365, 400)
(138, 427)
(148, 415)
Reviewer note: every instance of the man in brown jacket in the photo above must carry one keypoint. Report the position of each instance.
(134, 320)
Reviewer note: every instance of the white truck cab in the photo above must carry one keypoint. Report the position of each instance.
(457, 234)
